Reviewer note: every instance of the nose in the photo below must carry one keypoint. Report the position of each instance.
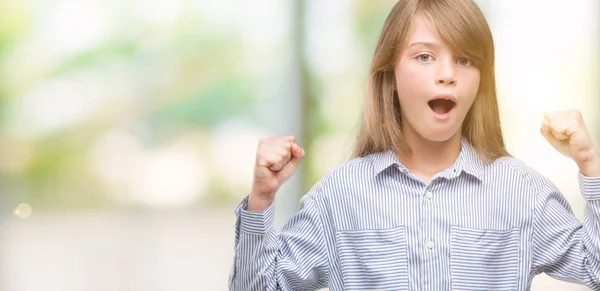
(446, 74)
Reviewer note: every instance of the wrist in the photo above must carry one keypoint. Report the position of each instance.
(258, 202)
(590, 164)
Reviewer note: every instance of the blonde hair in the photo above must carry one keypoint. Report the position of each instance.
(462, 26)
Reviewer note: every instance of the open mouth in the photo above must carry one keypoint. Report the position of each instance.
(441, 106)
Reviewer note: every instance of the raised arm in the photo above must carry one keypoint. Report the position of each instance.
(564, 248)
(295, 258)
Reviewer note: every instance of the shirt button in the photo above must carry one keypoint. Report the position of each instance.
(429, 244)
(428, 195)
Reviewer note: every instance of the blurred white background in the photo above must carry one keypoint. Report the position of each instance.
(128, 128)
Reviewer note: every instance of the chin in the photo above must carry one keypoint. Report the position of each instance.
(439, 135)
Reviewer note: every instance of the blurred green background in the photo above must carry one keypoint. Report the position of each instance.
(128, 128)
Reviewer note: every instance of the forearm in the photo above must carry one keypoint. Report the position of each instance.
(255, 250)
(268, 260)
(564, 247)
(590, 188)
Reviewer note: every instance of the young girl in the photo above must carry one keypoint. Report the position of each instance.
(432, 200)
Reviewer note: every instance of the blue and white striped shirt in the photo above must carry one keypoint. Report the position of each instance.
(370, 224)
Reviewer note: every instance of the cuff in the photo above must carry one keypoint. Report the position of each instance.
(590, 187)
(255, 222)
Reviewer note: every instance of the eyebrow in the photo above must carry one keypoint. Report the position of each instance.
(425, 44)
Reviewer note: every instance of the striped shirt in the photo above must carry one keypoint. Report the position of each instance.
(369, 224)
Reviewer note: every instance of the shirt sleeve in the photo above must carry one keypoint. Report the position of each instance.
(293, 259)
(564, 248)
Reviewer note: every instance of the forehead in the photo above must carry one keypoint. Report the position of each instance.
(423, 32)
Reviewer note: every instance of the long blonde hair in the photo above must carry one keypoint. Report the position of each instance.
(462, 26)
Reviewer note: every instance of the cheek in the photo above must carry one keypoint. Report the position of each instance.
(410, 81)
(471, 85)
(410, 85)
(406, 90)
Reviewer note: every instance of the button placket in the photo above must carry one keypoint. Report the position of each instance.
(426, 218)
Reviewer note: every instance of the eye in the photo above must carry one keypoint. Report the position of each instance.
(464, 62)
(424, 58)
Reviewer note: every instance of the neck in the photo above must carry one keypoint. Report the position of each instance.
(429, 157)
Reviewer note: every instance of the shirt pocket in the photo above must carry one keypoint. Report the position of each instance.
(373, 259)
(484, 259)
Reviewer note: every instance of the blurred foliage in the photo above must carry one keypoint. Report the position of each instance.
(206, 88)
(14, 21)
(210, 105)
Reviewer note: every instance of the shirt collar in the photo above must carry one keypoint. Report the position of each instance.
(384, 160)
(468, 162)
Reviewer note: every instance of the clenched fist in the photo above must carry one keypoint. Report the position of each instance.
(276, 160)
(567, 133)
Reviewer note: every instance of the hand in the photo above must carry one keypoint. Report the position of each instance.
(276, 160)
(567, 133)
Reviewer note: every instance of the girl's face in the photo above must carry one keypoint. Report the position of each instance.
(436, 88)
